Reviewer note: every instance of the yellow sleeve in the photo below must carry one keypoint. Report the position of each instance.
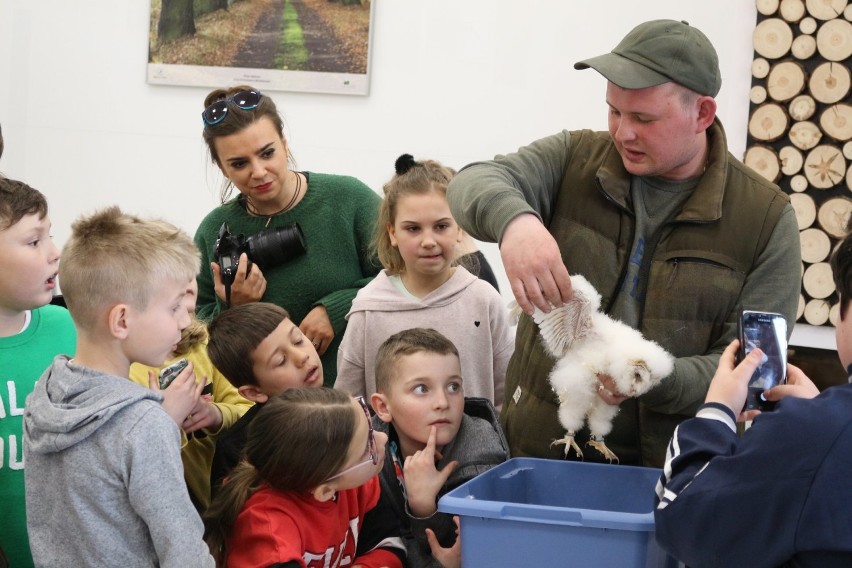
(139, 373)
(225, 395)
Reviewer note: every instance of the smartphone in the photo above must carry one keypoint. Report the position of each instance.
(170, 373)
(768, 331)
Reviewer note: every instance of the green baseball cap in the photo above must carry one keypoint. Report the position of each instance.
(658, 52)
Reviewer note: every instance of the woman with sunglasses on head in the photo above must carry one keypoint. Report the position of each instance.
(315, 270)
(307, 491)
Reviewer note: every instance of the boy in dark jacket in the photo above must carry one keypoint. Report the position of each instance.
(776, 496)
(437, 438)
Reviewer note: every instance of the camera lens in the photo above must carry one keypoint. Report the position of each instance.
(275, 246)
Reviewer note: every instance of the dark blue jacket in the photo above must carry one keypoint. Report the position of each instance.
(781, 495)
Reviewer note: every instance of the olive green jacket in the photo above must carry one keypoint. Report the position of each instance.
(734, 243)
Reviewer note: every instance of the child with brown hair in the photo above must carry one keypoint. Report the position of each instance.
(437, 439)
(774, 496)
(300, 495)
(262, 352)
(32, 333)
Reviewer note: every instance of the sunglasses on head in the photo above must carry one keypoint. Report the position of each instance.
(216, 112)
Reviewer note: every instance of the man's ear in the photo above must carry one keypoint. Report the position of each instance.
(706, 112)
(380, 405)
(118, 319)
(325, 491)
(252, 393)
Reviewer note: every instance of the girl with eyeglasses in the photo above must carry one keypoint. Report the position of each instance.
(336, 214)
(307, 491)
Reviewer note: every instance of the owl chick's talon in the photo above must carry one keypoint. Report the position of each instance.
(600, 446)
(569, 442)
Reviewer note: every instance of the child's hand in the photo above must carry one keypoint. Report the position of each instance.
(798, 385)
(730, 384)
(448, 557)
(204, 414)
(423, 481)
(181, 396)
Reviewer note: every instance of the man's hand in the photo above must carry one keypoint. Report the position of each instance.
(534, 266)
(317, 328)
(608, 392)
(246, 288)
(423, 481)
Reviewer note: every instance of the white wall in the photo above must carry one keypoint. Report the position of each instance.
(454, 80)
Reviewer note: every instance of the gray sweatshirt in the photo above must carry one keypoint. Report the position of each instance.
(104, 480)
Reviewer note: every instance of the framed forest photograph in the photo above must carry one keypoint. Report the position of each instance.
(319, 46)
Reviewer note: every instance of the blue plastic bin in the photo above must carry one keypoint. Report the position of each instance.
(537, 512)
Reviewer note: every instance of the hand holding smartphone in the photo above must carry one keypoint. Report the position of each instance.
(767, 331)
(170, 373)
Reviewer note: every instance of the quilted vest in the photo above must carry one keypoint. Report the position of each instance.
(698, 267)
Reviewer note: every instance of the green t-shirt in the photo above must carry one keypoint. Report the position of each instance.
(23, 359)
(655, 202)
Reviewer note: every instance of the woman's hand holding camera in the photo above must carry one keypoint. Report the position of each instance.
(246, 288)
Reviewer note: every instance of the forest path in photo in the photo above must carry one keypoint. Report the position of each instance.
(324, 52)
(259, 48)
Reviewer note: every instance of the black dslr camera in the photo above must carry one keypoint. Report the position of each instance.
(266, 249)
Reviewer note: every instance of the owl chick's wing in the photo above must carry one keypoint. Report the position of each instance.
(563, 326)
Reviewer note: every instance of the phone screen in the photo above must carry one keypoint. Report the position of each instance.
(768, 331)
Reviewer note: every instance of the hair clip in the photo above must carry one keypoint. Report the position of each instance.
(404, 163)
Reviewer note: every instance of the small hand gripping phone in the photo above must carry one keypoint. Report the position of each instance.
(170, 373)
(768, 331)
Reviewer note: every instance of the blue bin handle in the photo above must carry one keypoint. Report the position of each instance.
(549, 515)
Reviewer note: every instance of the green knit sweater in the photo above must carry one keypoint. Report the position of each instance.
(337, 216)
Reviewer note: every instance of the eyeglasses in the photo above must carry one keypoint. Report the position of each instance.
(216, 112)
(371, 444)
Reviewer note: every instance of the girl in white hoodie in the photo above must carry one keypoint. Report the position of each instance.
(421, 286)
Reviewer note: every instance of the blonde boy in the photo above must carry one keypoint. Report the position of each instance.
(104, 482)
(32, 333)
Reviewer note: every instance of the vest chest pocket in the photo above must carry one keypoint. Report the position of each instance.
(689, 300)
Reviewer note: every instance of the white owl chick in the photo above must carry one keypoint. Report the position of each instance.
(587, 343)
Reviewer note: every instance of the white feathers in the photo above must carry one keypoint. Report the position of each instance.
(588, 343)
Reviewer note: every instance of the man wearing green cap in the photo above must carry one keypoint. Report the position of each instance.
(674, 232)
